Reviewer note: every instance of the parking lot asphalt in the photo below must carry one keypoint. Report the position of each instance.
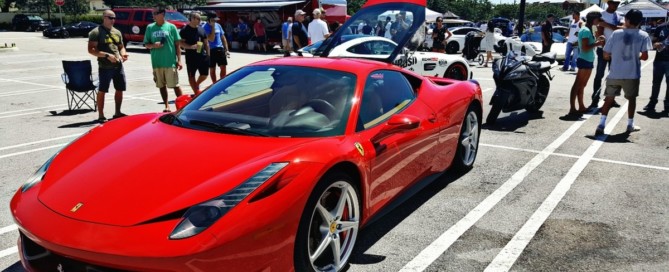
(544, 195)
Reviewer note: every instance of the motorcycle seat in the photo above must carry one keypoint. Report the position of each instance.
(549, 57)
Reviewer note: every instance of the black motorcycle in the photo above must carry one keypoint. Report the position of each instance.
(522, 83)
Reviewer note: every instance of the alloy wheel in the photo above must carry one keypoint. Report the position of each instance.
(333, 228)
(469, 139)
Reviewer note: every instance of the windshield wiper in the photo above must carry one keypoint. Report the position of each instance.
(222, 128)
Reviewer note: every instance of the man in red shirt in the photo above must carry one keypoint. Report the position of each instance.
(259, 31)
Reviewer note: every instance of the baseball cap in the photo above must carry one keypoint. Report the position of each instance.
(316, 12)
(299, 12)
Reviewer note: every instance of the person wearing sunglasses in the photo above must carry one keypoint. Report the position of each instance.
(106, 43)
(163, 39)
(440, 35)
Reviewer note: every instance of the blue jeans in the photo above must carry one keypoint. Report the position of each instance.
(569, 59)
(660, 70)
(601, 67)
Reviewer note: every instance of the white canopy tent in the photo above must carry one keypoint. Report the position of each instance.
(649, 9)
(431, 15)
(583, 13)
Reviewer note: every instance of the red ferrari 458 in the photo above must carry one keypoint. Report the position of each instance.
(274, 168)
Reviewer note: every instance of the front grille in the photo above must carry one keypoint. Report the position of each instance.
(41, 259)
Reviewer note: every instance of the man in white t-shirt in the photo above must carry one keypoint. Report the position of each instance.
(610, 21)
(318, 30)
(389, 24)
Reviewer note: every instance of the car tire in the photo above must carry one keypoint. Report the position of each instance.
(456, 71)
(331, 217)
(66, 34)
(468, 141)
(452, 48)
(29, 29)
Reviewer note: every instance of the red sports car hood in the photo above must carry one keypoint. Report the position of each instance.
(130, 171)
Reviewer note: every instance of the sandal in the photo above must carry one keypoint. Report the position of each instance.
(119, 115)
(167, 110)
(101, 120)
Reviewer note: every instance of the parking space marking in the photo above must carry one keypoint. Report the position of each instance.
(445, 240)
(577, 157)
(8, 229)
(510, 253)
(9, 251)
(29, 83)
(39, 142)
(31, 151)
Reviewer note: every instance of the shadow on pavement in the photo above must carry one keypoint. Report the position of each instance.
(514, 121)
(16, 267)
(69, 112)
(620, 138)
(653, 114)
(91, 123)
(389, 217)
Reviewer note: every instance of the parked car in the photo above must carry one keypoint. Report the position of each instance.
(534, 35)
(301, 155)
(375, 47)
(132, 22)
(23, 22)
(79, 29)
(457, 42)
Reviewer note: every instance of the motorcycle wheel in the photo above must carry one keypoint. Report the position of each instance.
(497, 104)
(542, 92)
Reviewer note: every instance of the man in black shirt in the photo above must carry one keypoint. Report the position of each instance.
(547, 34)
(660, 67)
(300, 38)
(194, 40)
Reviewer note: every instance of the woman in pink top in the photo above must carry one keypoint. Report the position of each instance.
(259, 31)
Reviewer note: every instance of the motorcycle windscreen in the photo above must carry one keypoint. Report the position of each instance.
(400, 26)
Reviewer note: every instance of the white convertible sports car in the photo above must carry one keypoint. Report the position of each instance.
(534, 48)
(375, 47)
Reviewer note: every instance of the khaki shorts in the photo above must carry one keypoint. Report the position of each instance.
(630, 86)
(286, 44)
(166, 77)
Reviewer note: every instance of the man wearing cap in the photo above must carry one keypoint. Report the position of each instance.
(218, 45)
(610, 21)
(318, 30)
(299, 31)
(547, 34)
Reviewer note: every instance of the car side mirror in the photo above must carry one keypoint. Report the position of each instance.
(182, 101)
(396, 124)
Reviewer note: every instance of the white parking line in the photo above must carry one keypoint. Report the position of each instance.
(577, 157)
(31, 151)
(39, 142)
(441, 244)
(9, 251)
(510, 253)
(8, 229)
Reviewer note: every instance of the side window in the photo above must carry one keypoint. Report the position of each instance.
(122, 15)
(149, 17)
(138, 16)
(373, 48)
(385, 93)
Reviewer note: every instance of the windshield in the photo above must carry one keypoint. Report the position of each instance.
(175, 16)
(400, 23)
(277, 101)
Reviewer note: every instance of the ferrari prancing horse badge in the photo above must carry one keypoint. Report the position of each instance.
(360, 149)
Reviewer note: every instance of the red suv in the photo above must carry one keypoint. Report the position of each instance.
(132, 22)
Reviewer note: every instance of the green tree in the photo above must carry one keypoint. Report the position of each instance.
(506, 10)
(353, 6)
(76, 7)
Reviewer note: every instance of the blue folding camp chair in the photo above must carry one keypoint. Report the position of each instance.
(79, 84)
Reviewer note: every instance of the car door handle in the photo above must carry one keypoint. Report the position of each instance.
(432, 118)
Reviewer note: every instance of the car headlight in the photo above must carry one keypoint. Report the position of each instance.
(38, 176)
(200, 217)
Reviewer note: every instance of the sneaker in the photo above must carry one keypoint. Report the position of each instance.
(650, 107)
(633, 128)
(572, 70)
(563, 69)
(615, 105)
(594, 105)
(599, 131)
